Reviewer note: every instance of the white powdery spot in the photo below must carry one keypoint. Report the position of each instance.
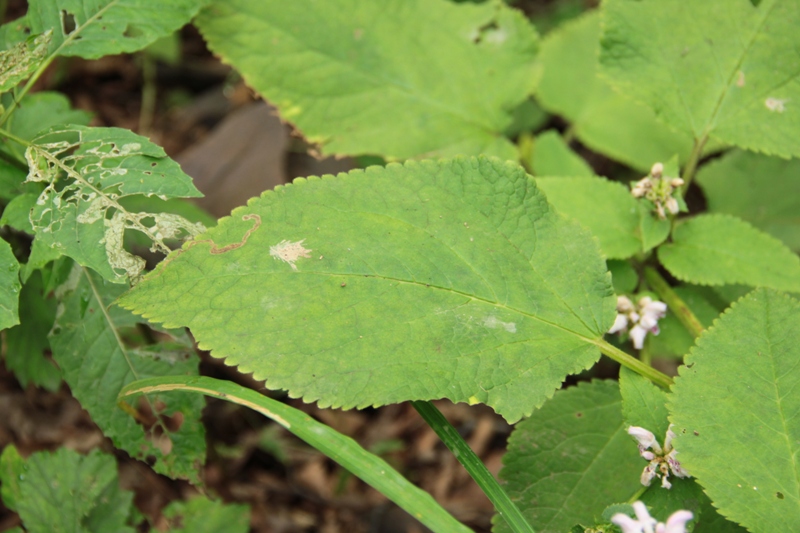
(777, 105)
(494, 323)
(289, 252)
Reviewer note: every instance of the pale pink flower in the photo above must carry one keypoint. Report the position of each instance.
(661, 461)
(644, 523)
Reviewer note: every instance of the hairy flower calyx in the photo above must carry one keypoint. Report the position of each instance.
(660, 190)
(663, 461)
(641, 318)
(644, 523)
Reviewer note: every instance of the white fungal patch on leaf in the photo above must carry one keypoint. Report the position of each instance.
(776, 105)
(495, 323)
(289, 252)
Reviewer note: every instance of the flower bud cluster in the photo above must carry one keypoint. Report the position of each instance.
(642, 318)
(660, 190)
(644, 523)
(663, 461)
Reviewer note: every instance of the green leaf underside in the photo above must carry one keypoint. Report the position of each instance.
(570, 458)
(764, 191)
(87, 345)
(623, 225)
(27, 342)
(553, 157)
(722, 249)
(434, 279)
(200, 515)
(40, 111)
(107, 27)
(623, 276)
(735, 411)
(9, 287)
(643, 404)
(399, 78)
(732, 72)
(602, 119)
(65, 492)
(98, 166)
(674, 340)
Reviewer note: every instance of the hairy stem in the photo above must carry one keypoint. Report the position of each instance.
(673, 301)
(477, 470)
(8, 135)
(691, 164)
(630, 362)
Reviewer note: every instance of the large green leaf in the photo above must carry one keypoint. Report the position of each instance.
(397, 78)
(9, 287)
(727, 68)
(571, 458)
(762, 190)
(735, 408)
(86, 172)
(440, 279)
(87, 342)
(65, 492)
(623, 225)
(95, 28)
(40, 111)
(722, 249)
(602, 119)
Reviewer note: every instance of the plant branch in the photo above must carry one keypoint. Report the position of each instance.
(630, 362)
(477, 470)
(372, 469)
(673, 301)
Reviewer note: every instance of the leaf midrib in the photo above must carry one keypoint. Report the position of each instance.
(499, 305)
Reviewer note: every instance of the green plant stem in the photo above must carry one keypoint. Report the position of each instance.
(477, 470)
(673, 301)
(691, 164)
(148, 94)
(8, 135)
(630, 362)
(342, 449)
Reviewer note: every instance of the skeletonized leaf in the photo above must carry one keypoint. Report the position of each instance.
(727, 68)
(9, 287)
(735, 410)
(570, 458)
(602, 119)
(19, 61)
(722, 249)
(439, 279)
(623, 225)
(763, 190)
(398, 78)
(95, 28)
(87, 343)
(86, 171)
